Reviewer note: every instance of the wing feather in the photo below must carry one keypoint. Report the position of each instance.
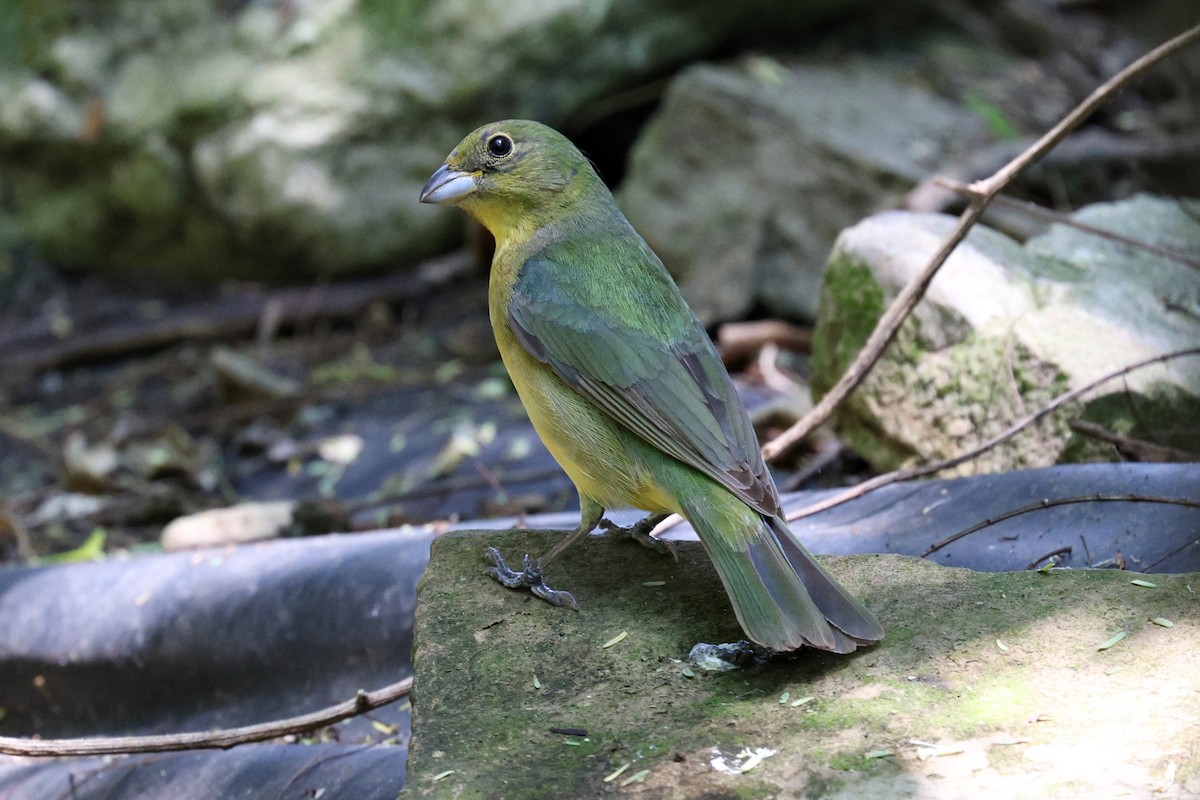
(657, 374)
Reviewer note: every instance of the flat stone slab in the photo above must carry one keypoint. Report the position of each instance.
(988, 685)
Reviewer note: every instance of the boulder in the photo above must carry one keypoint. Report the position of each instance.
(1006, 327)
(292, 139)
(749, 171)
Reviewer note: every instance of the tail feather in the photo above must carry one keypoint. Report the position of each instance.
(781, 594)
(842, 609)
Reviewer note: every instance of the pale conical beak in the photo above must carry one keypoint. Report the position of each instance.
(447, 185)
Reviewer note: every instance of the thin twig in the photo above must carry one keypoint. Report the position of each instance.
(877, 342)
(981, 194)
(740, 342)
(29, 350)
(1091, 147)
(990, 186)
(1058, 551)
(223, 739)
(1060, 218)
(1154, 567)
(949, 463)
(826, 457)
(1129, 446)
(1058, 501)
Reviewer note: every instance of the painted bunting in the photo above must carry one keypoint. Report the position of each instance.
(624, 386)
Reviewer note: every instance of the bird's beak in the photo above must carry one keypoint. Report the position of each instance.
(447, 185)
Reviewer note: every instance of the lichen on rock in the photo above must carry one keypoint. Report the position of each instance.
(1004, 329)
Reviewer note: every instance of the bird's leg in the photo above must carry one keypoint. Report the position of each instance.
(640, 532)
(530, 576)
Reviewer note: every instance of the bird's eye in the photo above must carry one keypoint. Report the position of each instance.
(499, 145)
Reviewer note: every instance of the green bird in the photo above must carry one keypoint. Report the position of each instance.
(625, 388)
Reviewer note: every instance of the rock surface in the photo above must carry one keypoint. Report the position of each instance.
(293, 138)
(748, 172)
(1005, 328)
(987, 685)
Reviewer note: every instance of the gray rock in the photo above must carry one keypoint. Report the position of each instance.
(1004, 328)
(258, 139)
(748, 172)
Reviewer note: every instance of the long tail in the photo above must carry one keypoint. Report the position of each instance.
(781, 594)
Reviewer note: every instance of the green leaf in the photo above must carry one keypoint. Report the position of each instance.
(92, 549)
(620, 637)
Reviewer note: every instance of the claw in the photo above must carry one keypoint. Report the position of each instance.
(555, 597)
(528, 578)
(640, 533)
(505, 574)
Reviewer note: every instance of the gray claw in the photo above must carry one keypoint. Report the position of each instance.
(640, 533)
(555, 597)
(528, 578)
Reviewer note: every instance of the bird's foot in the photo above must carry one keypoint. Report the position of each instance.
(724, 657)
(528, 578)
(640, 533)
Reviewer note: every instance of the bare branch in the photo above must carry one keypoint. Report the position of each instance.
(981, 194)
(1051, 215)
(985, 189)
(949, 463)
(1059, 501)
(24, 351)
(223, 739)
(1092, 147)
(885, 330)
(1129, 446)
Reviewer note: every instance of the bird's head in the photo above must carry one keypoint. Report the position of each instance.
(512, 175)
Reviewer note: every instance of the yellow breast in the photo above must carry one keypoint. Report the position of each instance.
(605, 462)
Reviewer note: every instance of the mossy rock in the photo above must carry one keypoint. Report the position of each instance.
(1000, 674)
(1005, 328)
(258, 140)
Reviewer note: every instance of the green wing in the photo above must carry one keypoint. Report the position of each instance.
(622, 335)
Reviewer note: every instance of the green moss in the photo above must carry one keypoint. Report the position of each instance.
(398, 22)
(872, 715)
(851, 304)
(147, 184)
(920, 404)
(10, 34)
(870, 442)
(35, 24)
(923, 403)
(755, 792)
(938, 674)
(991, 704)
(846, 762)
